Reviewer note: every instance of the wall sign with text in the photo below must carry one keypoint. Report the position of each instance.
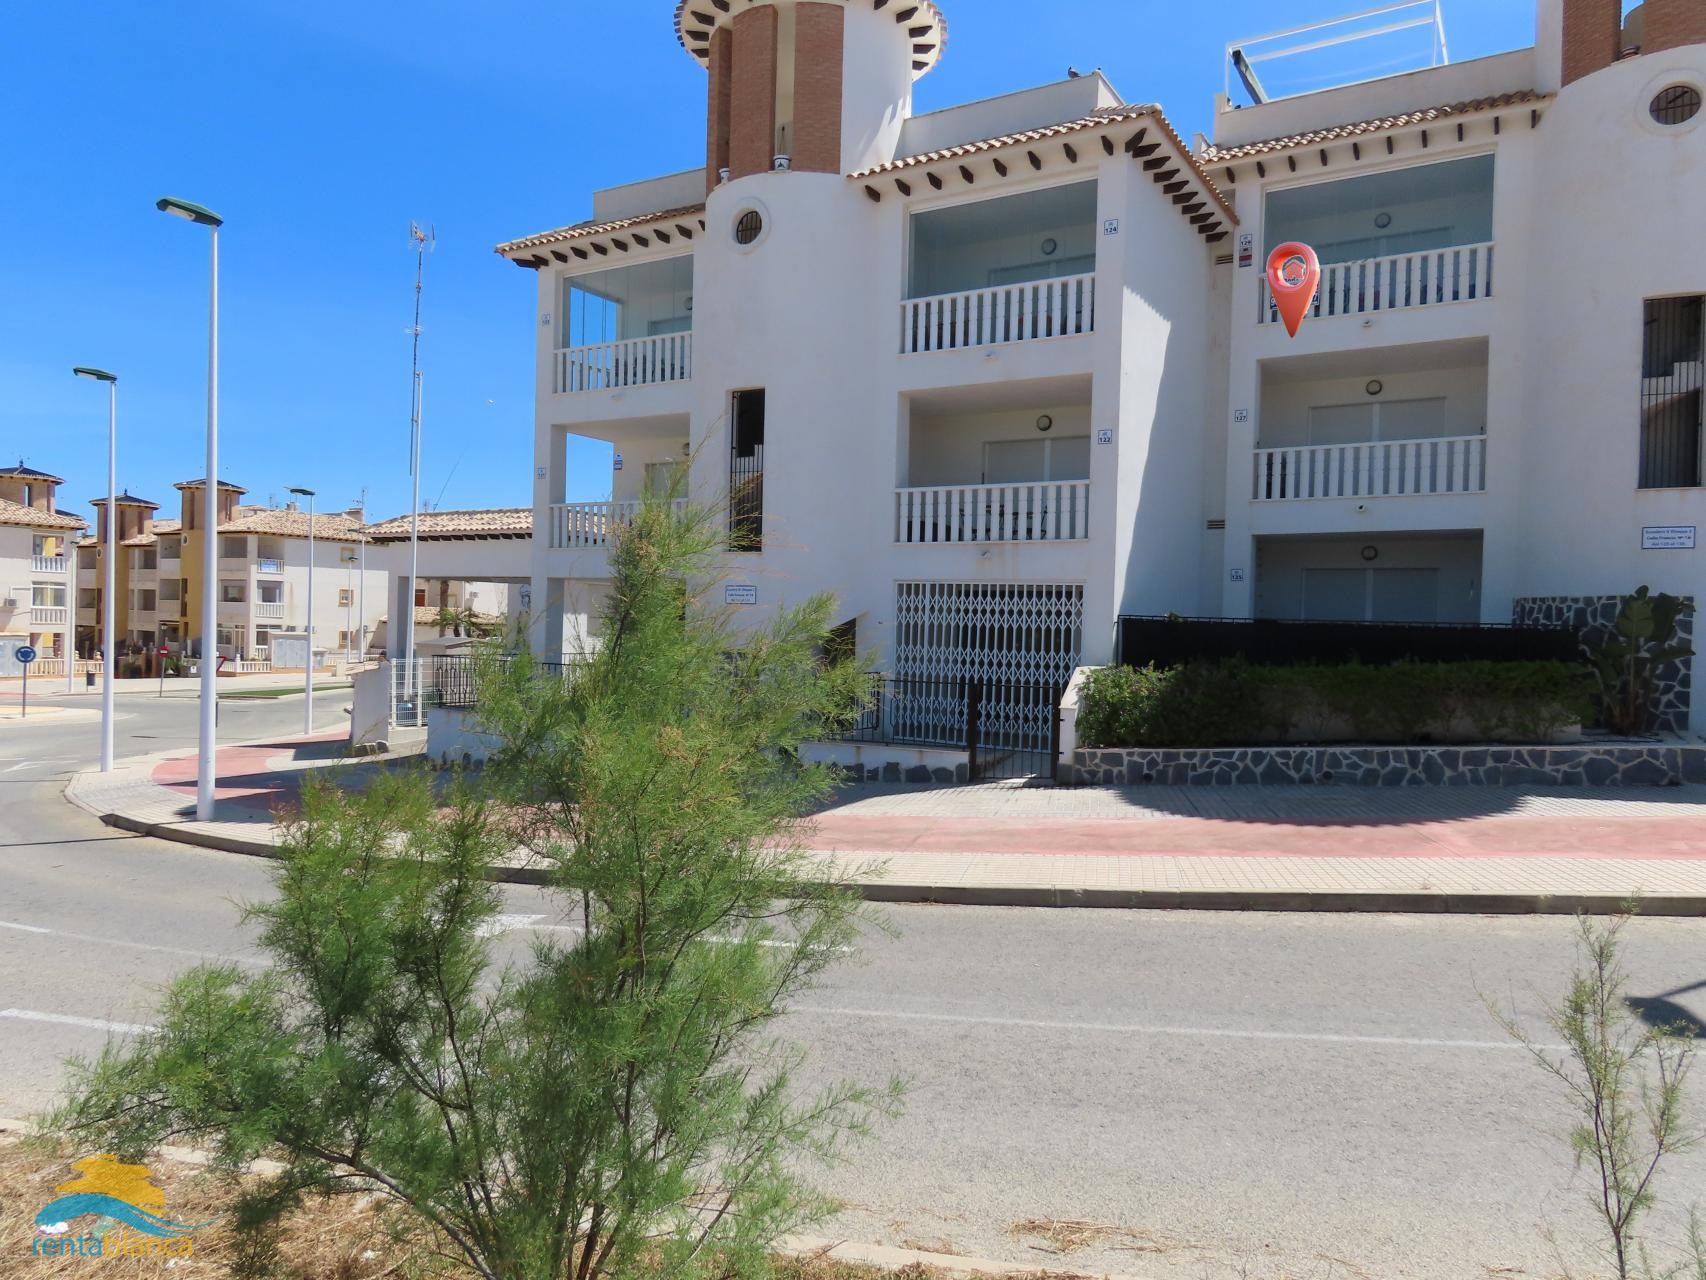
(1668, 537)
(739, 593)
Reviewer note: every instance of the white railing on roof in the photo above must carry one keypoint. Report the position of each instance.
(1008, 313)
(1400, 282)
(1384, 469)
(636, 362)
(1040, 511)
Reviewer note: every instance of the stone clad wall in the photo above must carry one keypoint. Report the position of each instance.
(1591, 766)
(1594, 619)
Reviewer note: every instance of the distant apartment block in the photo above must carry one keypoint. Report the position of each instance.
(36, 566)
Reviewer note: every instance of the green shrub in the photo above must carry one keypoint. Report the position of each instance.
(1233, 703)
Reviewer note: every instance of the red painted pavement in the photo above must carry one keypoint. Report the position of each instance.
(242, 773)
(1493, 836)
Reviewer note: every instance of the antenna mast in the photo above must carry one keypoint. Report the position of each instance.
(423, 241)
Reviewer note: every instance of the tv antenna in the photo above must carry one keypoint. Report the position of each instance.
(424, 240)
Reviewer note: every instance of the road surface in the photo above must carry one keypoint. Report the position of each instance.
(1224, 1095)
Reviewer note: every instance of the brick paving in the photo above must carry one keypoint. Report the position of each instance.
(1415, 848)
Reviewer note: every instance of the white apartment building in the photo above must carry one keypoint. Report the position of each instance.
(36, 564)
(999, 374)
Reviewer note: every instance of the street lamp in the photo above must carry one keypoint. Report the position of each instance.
(205, 765)
(308, 667)
(101, 375)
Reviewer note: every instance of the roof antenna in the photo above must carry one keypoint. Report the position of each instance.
(423, 241)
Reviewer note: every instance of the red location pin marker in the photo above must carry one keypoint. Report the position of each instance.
(1294, 274)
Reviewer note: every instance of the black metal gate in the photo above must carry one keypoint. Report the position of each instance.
(1012, 730)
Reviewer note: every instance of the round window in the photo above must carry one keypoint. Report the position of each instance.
(1678, 104)
(749, 227)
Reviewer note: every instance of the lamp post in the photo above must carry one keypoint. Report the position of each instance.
(205, 765)
(107, 656)
(308, 667)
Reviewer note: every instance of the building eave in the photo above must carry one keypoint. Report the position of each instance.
(1155, 144)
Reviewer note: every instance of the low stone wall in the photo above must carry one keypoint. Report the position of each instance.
(1594, 618)
(1609, 765)
(883, 762)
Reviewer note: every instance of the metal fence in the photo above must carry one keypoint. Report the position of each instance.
(1007, 728)
(1174, 641)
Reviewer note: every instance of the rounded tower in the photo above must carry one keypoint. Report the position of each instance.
(819, 86)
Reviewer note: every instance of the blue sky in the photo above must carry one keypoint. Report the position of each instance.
(319, 129)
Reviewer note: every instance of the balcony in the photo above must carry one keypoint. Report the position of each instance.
(47, 564)
(1037, 511)
(48, 615)
(1397, 283)
(269, 611)
(589, 525)
(636, 362)
(269, 566)
(1035, 309)
(1384, 469)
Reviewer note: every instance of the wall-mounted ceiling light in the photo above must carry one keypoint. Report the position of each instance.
(1375, 386)
(1045, 423)
(1049, 247)
(1383, 220)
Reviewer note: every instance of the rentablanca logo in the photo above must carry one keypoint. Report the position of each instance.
(129, 1212)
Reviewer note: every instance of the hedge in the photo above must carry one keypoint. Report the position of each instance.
(1221, 704)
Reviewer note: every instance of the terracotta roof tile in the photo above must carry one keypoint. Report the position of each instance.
(294, 524)
(932, 26)
(582, 230)
(21, 472)
(496, 522)
(18, 515)
(1338, 133)
(1099, 119)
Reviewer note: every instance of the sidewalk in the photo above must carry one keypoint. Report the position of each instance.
(1493, 849)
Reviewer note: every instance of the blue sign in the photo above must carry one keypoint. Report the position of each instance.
(26, 655)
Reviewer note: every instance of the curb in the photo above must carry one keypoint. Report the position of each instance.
(1383, 902)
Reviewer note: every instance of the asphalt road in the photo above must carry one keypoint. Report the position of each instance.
(1260, 1096)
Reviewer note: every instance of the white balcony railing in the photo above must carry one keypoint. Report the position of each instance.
(269, 610)
(1385, 469)
(47, 564)
(48, 615)
(269, 566)
(1436, 276)
(637, 362)
(1040, 511)
(1010, 313)
(593, 524)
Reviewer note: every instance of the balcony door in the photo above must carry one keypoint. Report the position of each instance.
(1374, 421)
(1371, 595)
(1036, 460)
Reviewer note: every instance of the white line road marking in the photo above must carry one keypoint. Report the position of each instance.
(68, 1020)
(503, 924)
(135, 946)
(1142, 1029)
(21, 765)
